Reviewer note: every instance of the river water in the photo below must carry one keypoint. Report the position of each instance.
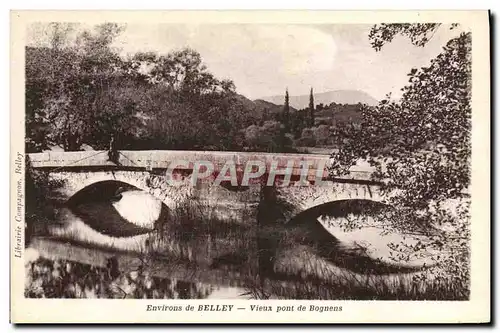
(130, 246)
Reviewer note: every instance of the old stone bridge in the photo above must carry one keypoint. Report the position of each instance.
(262, 235)
(145, 170)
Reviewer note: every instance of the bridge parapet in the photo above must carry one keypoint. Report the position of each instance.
(162, 160)
(254, 207)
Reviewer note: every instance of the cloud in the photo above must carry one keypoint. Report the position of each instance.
(252, 55)
(285, 48)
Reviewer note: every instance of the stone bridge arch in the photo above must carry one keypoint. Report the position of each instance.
(299, 199)
(70, 183)
(290, 200)
(205, 197)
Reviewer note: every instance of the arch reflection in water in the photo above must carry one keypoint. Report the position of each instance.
(322, 230)
(117, 209)
(116, 215)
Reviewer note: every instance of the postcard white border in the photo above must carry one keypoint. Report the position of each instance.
(133, 311)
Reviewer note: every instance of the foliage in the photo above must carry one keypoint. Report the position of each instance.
(38, 210)
(66, 279)
(77, 93)
(311, 108)
(420, 147)
(286, 112)
(298, 121)
(307, 138)
(418, 33)
(185, 106)
(270, 137)
(84, 92)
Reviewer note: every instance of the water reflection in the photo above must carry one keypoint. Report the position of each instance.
(192, 253)
(66, 279)
(116, 209)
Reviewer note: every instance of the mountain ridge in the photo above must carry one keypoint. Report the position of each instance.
(261, 106)
(327, 97)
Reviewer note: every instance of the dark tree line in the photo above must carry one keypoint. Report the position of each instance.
(82, 92)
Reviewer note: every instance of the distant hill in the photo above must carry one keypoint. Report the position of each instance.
(270, 107)
(329, 113)
(337, 96)
(259, 106)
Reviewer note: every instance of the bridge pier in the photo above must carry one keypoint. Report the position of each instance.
(269, 220)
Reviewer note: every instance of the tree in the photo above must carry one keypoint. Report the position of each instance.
(420, 147)
(270, 137)
(75, 91)
(83, 92)
(307, 138)
(418, 33)
(188, 107)
(299, 121)
(311, 109)
(286, 112)
(322, 134)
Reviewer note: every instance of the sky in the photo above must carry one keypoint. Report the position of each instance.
(264, 60)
